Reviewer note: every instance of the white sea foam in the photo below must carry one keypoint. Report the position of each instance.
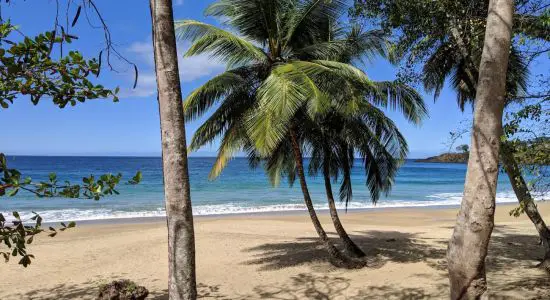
(439, 199)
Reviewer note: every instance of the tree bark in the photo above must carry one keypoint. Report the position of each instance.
(512, 170)
(351, 248)
(526, 200)
(475, 221)
(181, 238)
(335, 256)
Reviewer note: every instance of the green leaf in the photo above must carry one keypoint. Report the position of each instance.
(25, 261)
(226, 46)
(137, 178)
(13, 192)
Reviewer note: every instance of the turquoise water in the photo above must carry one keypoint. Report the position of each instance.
(238, 190)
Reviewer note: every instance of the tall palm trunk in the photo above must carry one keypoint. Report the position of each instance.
(468, 245)
(349, 245)
(181, 238)
(335, 256)
(526, 200)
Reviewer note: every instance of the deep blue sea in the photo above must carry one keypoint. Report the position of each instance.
(238, 190)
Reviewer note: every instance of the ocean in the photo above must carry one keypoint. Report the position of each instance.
(238, 190)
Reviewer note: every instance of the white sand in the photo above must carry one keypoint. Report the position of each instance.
(278, 257)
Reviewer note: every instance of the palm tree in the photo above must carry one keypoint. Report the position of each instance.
(362, 123)
(181, 237)
(377, 141)
(363, 129)
(333, 142)
(279, 65)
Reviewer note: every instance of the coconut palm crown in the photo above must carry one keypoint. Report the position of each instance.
(284, 59)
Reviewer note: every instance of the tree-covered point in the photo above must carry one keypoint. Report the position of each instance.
(463, 148)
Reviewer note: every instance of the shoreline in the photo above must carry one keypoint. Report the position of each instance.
(278, 256)
(282, 213)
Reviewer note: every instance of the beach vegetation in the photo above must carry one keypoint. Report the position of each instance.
(288, 62)
(459, 49)
(29, 69)
(122, 289)
(353, 127)
(16, 232)
(449, 45)
(464, 148)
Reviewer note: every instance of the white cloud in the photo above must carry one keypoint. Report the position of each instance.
(147, 86)
(195, 67)
(144, 51)
(190, 68)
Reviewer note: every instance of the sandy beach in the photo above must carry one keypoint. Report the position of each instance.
(268, 256)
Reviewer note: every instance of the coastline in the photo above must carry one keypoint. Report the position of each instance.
(277, 256)
(281, 213)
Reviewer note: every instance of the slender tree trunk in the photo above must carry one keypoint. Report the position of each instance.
(335, 256)
(181, 238)
(349, 245)
(526, 200)
(509, 162)
(468, 245)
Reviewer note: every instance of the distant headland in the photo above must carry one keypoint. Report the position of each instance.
(459, 158)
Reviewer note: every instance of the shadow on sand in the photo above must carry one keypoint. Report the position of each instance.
(507, 251)
(380, 246)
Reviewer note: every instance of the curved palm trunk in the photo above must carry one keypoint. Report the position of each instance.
(335, 256)
(349, 245)
(526, 200)
(181, 238)
(475, 221)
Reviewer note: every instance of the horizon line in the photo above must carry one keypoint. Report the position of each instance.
(134, 156)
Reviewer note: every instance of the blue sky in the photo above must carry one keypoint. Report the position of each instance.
(131, 127)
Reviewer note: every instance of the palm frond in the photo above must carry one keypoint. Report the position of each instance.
(280, 96)
(218, 43)
(233, 140)
(260, 20)
(518, 74)
(202, 98)
(379, 164)
(281, 163)
(364, 46)
(399, 96)
(310, 21)
(323, 50)
(338, 70)
(346, 189)
(231, 111)
(438, 66)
